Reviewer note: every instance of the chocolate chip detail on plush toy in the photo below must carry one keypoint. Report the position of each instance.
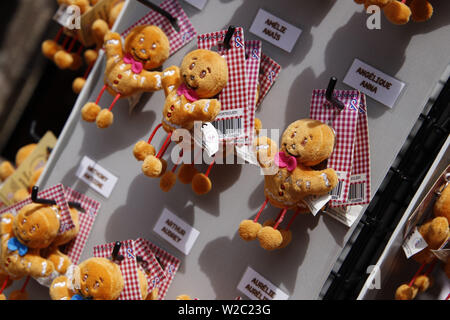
(189, 94)
(289, 177)
(127, 69)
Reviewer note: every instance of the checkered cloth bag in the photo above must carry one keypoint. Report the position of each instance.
(359, 190)
(169, 264)
(252, 65)
(234, 121)
(75, 248)
(176, 39)
(152, 268)
(344, 123)
(128, 266)
(56, 193)
(268, 73)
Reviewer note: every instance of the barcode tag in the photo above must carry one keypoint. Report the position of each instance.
(316, 203)
(336, 193)
(234, 122)
(414, 244)
(345, 215)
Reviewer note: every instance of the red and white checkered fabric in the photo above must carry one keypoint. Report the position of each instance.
(233, 97)
(176, 39)
(56, 193)
(269, 72)
(344, 123)
(170, 265)
(154, 271)
(360, 174)
(75, 248)
(128, 266)
(252, 64)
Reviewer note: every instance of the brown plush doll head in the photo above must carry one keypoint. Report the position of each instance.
(310, 141)
(36, 225)
(204, 71)
(148, 44)
(68, 235)
(100, 279)
(442, 205)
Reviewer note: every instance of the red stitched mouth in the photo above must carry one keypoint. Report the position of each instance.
(136, 56)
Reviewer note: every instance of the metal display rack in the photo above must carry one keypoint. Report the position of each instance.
(334, 33)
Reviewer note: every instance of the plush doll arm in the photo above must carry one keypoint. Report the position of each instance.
(113, 46)
(6, 224)
(60, 261)
(150, 80)
(60, 289)
(265, 149)
(315, 182)
(36, 266)
(171, 79)
(99, 29)
(205, 110)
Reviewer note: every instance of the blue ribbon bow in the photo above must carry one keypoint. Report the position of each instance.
(77, 297)
(14, 244)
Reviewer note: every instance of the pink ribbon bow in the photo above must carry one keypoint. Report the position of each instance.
(284, 161)
(189, 94)
(136, 66)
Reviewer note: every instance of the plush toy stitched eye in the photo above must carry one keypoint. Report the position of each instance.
(154, 46)
(192, 66)
(85, 277)
(33, 229)
(202, 74)
(96, 285)
(141, 40)
(24, 221)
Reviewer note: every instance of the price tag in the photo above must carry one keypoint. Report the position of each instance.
(96, 177)
(414, 244)
(206, 136)
(374, 83)
(177, 232)
(316, 203)
(68, 16)
(275, 30)
(256, 287)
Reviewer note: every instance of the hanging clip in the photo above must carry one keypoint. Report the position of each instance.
(228, 35)
(35, 199)
(329, 95)
(33, 133)
(115, 254)
(173, 21)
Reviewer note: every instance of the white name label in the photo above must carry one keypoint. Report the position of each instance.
(199, 4)
(275, 30)
(175, 231)
(256, 287)
(414, 244)
(206, 136)
(374, 83)
(316, 203)
(96, 177)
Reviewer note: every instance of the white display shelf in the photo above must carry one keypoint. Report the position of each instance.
(334, 33)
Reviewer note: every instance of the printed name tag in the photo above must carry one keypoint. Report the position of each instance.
(199, 4)
(177, 232)
(275, 30)
(414, 244)
(374, 83)
(256, 287)
(96, 177)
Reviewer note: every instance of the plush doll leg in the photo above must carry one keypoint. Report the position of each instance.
(154, 166)
(90, 110)
(20, 294)
(78, 83)
(63, 59)
(6, 283)
(201, 184)
(269, 237)
(248, 229)
(187, 172)
(169, 178)
(142, 149)
(105, 117)
(286, 233)
(50, 47)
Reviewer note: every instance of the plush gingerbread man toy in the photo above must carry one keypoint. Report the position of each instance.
(290, 177)
(127, 69)
(95, 279)
(190, 92)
